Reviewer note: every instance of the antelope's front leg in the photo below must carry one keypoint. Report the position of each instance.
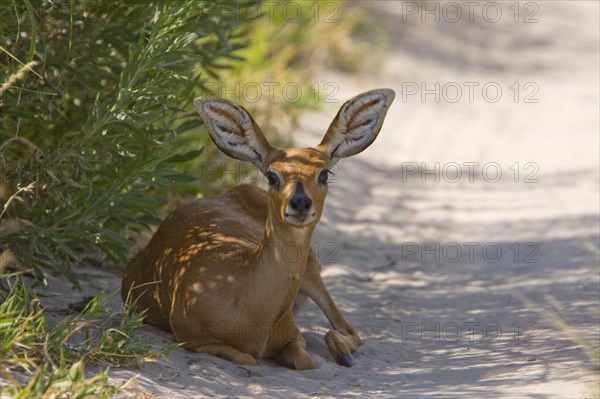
(343, 339)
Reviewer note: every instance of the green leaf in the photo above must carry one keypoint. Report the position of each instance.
(76, 371)
(188, 156)
(189, 125)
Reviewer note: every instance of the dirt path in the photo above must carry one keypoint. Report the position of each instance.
(433, 263)
(430, 266)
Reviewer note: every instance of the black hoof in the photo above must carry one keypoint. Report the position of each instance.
(346, 360)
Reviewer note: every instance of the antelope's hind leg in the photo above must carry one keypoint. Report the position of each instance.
(293, 354)
(224, 352)
(203, 340)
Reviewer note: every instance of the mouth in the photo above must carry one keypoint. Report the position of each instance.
(300, 218)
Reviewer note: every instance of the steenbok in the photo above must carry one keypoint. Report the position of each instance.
(216, 274)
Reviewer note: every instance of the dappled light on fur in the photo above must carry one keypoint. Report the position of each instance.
(228, 269)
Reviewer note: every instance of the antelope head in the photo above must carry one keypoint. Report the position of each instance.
(297, 177)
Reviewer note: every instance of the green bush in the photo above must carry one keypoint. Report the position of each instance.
(94, 94)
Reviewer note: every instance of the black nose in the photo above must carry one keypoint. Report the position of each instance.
(300, 201)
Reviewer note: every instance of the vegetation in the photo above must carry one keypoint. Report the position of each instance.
(54, 356)
(88, 122)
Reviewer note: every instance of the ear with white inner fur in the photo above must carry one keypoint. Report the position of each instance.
(233, 130)
(357, 124)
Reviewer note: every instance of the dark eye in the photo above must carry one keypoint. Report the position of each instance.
(273, 180)
(323, 176)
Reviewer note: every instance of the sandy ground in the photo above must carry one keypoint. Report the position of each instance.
(429, 265)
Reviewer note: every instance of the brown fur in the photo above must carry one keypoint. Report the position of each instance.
(222, 273)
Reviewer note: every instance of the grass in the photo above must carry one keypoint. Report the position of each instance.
(560, 322)
(54, 357)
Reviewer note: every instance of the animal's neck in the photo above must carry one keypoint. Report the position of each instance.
(284, 247)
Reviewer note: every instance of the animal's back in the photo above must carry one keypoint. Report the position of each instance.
(199, 240)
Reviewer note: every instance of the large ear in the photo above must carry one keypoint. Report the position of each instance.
(233, 130)
(357, 124)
